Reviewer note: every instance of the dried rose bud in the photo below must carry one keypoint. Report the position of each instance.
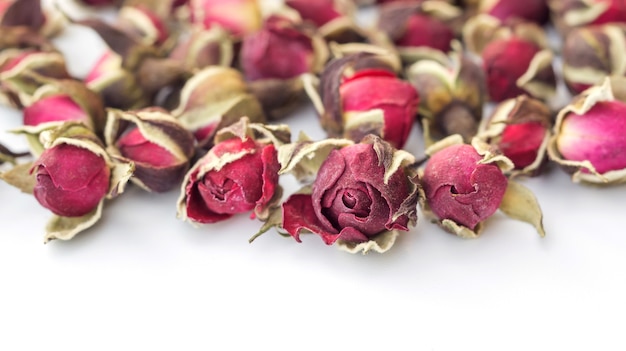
(515, 66)
(320, 12)
(534, 10)
(568, 14)
(71, 177)
(359, 94)
(452, 95)
(520, 129)
(419, 29)
(239, 174)
(480, 30)
(464, 185)
(158, 145)
(144, 24)
(18, 68)
(362, 196)
(203, 48)
(65, 100)
(592, 53)
(239, 17)
(213, 98)
(30, 14)
(282, 49)
(590, 135)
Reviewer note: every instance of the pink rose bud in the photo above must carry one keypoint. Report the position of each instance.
(419, 28)
(515, 66)
(66, 100)
(158, 145)
(239, 17)
(520, 129)
(319, 12)
(239, 174)
(458, 187)
(592, 53)
(532, 10)
(71, 181)
(281, 49)
(589, 135)
(361, 192)
(463, 185)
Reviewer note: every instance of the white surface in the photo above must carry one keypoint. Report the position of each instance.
(143, 280)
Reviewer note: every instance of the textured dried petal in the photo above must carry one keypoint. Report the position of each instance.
(459, 187)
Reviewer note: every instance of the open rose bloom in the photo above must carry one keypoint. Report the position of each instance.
(239, 174)
(72, 178)
(463, 185)
(589, 136)
(363, 194)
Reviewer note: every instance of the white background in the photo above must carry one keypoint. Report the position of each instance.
(141, 279)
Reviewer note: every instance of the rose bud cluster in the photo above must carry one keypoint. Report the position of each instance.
(520, 129)
(568, 14)
(157, 143)
(72, 177)
(591, 53)
(532, 10)
(360, 94)
(420, 29)
(589, 135)
(363, 194)
(131, 74)
(239, 174)
(238, 17)
(464, 185)
(213, 98)
(452, 96)
(21, 71)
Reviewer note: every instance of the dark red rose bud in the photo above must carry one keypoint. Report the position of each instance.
(281, 49)
(464, 185)
(520, 129)
(592, 53)
(319, 12)
(532, 10)
(362, 196)
(239, 17)
(419, 29)
(239, 174)
(514, 67)
(157, 143)
(71, 181)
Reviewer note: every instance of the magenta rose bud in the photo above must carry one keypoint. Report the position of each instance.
(281, 49)
(319, 12)
(380, 90)
(54, 108)
(239, 17)
(461, 189)
(239, 174)
(514, 66)
(359, 193)
(590, 135)
(71, 181)
(532, 10)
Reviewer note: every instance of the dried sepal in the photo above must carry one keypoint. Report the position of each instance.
(19, 177)
(279, 97)
(520, 128)
(130, 136)
(203, 48)
(482, 29)
(380, 243)
(452, 94)
(213, 98)
(584, 170)
(520, 203)
(65, 228)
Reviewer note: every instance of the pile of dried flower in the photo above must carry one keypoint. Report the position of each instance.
(191, 93)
